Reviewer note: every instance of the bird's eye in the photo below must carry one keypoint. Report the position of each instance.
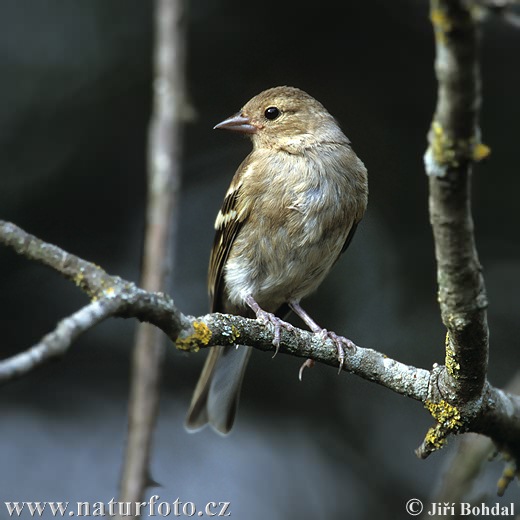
(271, 113)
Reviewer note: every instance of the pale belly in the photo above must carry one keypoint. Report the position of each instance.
(286, 264)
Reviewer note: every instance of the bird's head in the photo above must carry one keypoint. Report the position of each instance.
(283, 116)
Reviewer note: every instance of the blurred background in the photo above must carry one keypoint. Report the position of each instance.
(75, 100)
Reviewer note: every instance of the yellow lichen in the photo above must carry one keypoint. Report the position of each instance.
(480, 151)
(200, 336)
(235, 334)
(452, 366)
(78, 279)
(446, 415)
(448, 419)
(508, 475)
(230, 333)
(110, 292)
(435, 437)
(442, 146)
(441, 23)
(448, 152)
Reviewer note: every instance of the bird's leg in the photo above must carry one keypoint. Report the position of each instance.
(339, 341)
(269, 317)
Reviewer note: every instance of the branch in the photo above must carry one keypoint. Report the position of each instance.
(226, 329)
(496, 414)
(466, 464)
(163, 186)
(124, 299)
(454, 145)
(111, 296)
(503, 8)
(469, 402)
(59, 340)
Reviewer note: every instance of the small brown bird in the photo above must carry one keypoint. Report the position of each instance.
(292, 208)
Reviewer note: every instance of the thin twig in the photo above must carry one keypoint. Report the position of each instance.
(111, 296)
(505, 9)
(163, 186)
(59, 340)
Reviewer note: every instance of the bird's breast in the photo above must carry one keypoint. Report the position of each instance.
(298, 223)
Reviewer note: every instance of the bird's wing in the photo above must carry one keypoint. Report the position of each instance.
(350, 236)
(229, 220)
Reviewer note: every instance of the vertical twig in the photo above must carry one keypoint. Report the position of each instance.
(163, 185)
(454, 146)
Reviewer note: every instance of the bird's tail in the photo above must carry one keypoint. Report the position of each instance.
(216, 395)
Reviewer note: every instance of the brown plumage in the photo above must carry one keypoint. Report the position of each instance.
(290, 211)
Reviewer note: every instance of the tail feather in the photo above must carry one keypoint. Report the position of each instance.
(216, 396)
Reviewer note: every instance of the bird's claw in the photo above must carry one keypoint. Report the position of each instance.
(308, 363)
(277, 323)
(341, 343)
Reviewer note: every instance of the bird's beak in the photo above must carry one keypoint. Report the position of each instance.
(238, 123)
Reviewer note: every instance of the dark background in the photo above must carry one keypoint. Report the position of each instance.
(75, 98)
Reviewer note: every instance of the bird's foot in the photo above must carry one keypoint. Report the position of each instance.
(277, 324)
(341, 344)
(268, 317)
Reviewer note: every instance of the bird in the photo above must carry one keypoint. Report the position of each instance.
(291, 210)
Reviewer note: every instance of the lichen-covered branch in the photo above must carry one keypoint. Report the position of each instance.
(124, 299)
(468, 401)
(454, 145)
(457, 480)
(496, 413)
(193, 333)
(225, 329)
(110, 295)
